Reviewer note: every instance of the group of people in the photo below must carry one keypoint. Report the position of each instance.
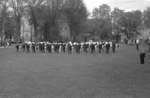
(69, 47)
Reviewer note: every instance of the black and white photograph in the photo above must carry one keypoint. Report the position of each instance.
(74, 48)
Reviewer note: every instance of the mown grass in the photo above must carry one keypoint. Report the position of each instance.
(41, 75)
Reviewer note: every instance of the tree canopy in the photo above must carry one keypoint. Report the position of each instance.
(48, 16)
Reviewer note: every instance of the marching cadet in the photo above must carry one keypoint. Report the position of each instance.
(81, 47)
(48, 49)
(40, 47)
(60, 47)
(107, 47)
(56, 47)
(28, 47)
(100, 47)
(73, 48)
(96, 46)
(137, 45)
(45, 47)
(23, 47)
(33, 47)
(63, 47)
(52, 47)
(85, 47)
(92, 46)
(78, 48)
(17, 47)
(69, 45)
(113, 47)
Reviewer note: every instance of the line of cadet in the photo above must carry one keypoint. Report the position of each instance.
(69, 47)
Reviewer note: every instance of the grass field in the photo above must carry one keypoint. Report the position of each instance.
(74, 76)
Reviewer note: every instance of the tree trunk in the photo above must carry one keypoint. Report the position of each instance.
(18, 25)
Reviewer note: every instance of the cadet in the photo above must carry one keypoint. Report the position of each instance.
(92, 46)
(107, 47)
(69, 47)
(33, 47)
(23, 47)
(63, 47)
(142, 57)
(137, 45)
(113, 47)
(28, 48)
(85, 47)
(17, 47)
(100, 47)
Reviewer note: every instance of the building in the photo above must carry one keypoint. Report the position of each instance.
(27, 32)
(64, 29)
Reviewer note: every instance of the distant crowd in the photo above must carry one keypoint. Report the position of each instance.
(69, 47)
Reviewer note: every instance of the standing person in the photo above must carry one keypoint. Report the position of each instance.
(142, 57)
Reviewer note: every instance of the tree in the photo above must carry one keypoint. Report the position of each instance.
(34, 11)
(102, 17)
(76, 13)
(4, 14)
(116, 15)
(18, 11)
(131, 21)
(147, 17)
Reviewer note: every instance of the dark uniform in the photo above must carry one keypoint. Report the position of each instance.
(63, 47)
(100, 47)
(78, 47)
(85, 47)
(23, 47)
(92, 46)
(17, 47)
(34, 48)
(56, 48)
(107, 48)
(28, 47)
(113, 47)
(142, 57)
(69, 48)
(49, 48)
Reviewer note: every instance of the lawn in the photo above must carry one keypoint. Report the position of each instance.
(119, 75)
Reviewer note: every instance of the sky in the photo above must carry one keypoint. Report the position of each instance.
(127, 5)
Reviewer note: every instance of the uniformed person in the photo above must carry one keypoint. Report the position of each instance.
(142, 57)
(113, 47)
(137, 45)
(92, 46)
(33, 47)
(100, 47)
(17, 47)
(28, 47)
(23, 47)
(107, 47)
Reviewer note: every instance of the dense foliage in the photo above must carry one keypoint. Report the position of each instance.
(44, 16)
